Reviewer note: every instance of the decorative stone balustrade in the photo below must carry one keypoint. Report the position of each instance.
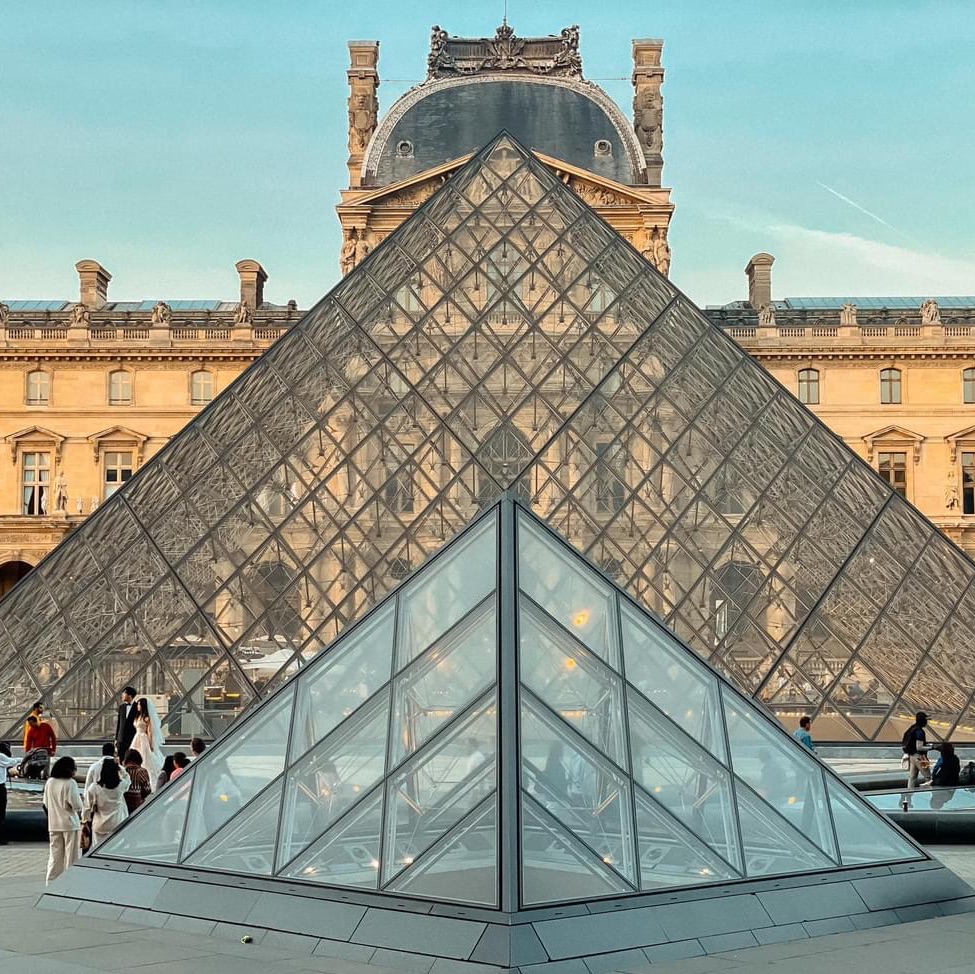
(844, 336)
(99, 334)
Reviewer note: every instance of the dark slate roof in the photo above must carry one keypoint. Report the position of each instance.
(457, 119)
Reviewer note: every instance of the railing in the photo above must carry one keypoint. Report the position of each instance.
(268, 334)
(144, 334)
(873, 332)
(737, 332)
(820, 332)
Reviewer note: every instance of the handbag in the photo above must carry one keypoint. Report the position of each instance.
(85, 836)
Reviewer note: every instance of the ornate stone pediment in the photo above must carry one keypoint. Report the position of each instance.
(963, 437)
(35, 436)
(893, 436)
(118, 436)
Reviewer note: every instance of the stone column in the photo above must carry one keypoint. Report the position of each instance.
(94, 284)
(648, 104)
(363, 75)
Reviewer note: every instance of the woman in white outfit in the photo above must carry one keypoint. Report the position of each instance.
(105, 804)
(62, 799)
(148, 740)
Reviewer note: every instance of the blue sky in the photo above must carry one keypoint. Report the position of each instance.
(169, 140)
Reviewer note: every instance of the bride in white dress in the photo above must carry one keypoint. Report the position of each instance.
(148, 738)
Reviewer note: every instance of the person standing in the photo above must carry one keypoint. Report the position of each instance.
(148, 738)
(36, 711)
(40, 734)
(181, 762)
(105, 805)
(915, 747)
(62, 799)
(168, 767)
(6, 763)
(197, 747)
(125, 723)
(804, 735)
(108, 754)
(139, 785)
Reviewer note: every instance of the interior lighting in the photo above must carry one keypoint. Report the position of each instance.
(374, 863)
(792, 799)
(705, 871)
(570, 663)
(580, 618)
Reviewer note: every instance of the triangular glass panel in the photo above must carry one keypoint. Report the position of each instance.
(779, 769)
(577, 786)
(557, 867)
(771, 844)
(333, 776)
(462, 866)
(246, 843)
(684, 778)
(670, 855)
(237, 768)
(439, 785)
(571, 681)
(348, 853)
(342, 679)
(864, 835)
(444, 680)
(155, 831)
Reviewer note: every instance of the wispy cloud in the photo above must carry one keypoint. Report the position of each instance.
(863, 209)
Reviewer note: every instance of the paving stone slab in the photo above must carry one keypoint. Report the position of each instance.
(728, 941)
(419, 932)
(819, 928)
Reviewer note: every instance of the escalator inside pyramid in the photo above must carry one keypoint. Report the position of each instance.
(504, 338)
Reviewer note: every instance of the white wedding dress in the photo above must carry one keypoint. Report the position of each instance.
(148, 742)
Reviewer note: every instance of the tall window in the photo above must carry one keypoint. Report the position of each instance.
(809, 386)
(201, 387)
(968, 385)
(968, 483)
(890, 385)
(118, 469)
(36, 482)
(893, 468)
(610, 491)
(119, 388)
(399, 488)
(38, 388)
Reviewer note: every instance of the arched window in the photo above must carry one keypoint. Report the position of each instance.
(119, 388)
(809, 386)
(968, 385)
(38, 388)
(890, 386)
(201, 387)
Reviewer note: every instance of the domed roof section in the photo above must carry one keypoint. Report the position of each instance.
(531, 87)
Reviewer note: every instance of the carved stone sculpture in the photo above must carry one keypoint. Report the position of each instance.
(661, 251)
(505, 49)
(848, 316)
(568, 58)
(361, 247)
(61, 492)
(951, 490)
(930, 313)
(80, 507)
(648, 118)
(766, 316)
(243, 315)
(162, 315)
(363, 110)
(438, 56)
(643, 241)
(347, 255)
(4, 314)
(79, 316)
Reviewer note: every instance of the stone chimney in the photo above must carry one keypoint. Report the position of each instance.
(759, 273)
(648, 104)
(94, 284)
(252, 278)
(363, 77)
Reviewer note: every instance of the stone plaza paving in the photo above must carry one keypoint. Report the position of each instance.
(99, 939)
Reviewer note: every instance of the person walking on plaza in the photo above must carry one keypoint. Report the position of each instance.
(197, 747)
(95, 769)
(139, 785)
(36, 711)
(40, 734)
(64, 805)
(803, 734)
(7, 761)
(105, 805)
(125, 723)
(915, 747)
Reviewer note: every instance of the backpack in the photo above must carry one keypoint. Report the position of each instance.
(909, 741)
(36, 763)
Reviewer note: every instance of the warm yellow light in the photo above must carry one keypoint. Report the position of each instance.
(309, 870)
(608, 860)
(657, 790)
(705, 871)
(407, 860)
(570, 663)
(225, 798)
(581, 617)
(792, 799)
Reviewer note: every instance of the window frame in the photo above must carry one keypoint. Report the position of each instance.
(43, 500)
(894, 452)
(116, 452)
(36, 401)
(968, 386)
(808, 386)
(196, 400)
(112, 400)
(891, 383)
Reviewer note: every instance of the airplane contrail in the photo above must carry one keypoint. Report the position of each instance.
(863, 209)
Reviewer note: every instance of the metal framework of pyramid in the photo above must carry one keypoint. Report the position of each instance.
(503, 338)
(508, 732)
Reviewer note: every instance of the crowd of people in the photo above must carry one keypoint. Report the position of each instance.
(130, 769)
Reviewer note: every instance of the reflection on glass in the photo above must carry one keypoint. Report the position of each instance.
(237, 770)
(574, 683)
(333, 776)
(444, 680)
(675, 683)
(866, 837)
(577, 786)
(567, 590)
(454, 584)
(683, 777)
(343, 679)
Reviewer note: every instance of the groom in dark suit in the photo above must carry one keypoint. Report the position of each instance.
(125, 724)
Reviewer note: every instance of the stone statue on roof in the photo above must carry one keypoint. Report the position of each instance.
(438, 56)
(766, 315)
(930, 313)
(79, 315)
(848, 316)
(243, 314)
(4, 314)
(162, 315)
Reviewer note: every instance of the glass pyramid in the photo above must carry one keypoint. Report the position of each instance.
(502, 756)
(503, 338)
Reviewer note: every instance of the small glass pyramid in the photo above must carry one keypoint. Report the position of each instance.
(520, 677)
